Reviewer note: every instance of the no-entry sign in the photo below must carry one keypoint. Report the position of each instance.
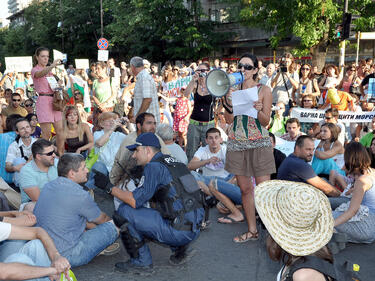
(103, 44)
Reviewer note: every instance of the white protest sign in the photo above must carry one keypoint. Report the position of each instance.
(315, 116)
(172, 87)
(18, 64)
(52, 82)
(82, 64)
(287, 147)
(103, 55)
(57, 55)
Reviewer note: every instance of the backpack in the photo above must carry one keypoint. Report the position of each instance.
(338, 272)
(187, 190)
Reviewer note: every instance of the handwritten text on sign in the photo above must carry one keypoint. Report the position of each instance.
(173, 86)
(19, 64)
(314, 115)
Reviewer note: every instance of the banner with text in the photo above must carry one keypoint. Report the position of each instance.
(172, 87)
(287, 147)
(315, 116)
(19, 64)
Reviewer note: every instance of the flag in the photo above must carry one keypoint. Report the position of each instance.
(80, 85)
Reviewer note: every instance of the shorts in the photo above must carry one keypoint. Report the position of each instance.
(45, 112)
(255, 162)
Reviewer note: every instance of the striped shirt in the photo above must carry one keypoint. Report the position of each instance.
(145, 88)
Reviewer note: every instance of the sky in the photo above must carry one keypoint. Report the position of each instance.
(3, 8)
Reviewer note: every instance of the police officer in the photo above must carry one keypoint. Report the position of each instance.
(176, 212)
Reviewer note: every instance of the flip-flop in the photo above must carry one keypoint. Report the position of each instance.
(232, 221)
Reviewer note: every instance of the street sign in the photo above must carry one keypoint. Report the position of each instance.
(367, 36)
(103, 44)
(103, 55)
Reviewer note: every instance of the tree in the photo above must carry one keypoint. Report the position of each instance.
(313, 22)
(160, 30)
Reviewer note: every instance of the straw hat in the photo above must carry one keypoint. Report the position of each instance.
(298, 216)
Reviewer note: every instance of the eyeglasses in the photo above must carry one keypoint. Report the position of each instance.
(48, 153)
(305, 68)
(16, 100)
(28, 105)
(246, 66)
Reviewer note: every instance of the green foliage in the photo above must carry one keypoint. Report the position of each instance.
(312, 21)
(160, 30)
(156, 29)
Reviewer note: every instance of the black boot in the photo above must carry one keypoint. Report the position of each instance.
(181, 255)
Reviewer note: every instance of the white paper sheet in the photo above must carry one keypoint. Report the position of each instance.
(243, 102)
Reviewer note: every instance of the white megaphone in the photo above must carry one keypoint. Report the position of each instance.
(218, 82)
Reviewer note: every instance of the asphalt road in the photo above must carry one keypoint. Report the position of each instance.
(216, 258)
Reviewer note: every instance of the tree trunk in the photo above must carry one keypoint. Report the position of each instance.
(319, 53)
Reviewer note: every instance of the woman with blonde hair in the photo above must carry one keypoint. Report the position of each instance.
(76, 136)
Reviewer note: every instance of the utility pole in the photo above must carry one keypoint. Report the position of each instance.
(342, 45)
(101, 19)
(62, 26)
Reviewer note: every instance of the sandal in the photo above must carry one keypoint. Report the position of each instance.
(247, 236)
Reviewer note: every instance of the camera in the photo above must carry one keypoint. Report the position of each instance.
(124, 120)
(283, 67)
(202, 74)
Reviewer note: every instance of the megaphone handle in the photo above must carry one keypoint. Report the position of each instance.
(227, 107)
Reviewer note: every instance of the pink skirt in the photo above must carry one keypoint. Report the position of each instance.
(45, 112)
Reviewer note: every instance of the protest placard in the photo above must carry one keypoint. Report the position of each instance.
(82, 64)
(18, 64)
(103, 55)
(172, 87)
(57, 55)
(287, 147)
(315, 116)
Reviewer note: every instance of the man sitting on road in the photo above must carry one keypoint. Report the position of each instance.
(39, 171)
(165, 132)
(171, 221)
(296, 168)
(19, 151)
(211, 160)
(70, 216)
(293, 128)
(33, 260)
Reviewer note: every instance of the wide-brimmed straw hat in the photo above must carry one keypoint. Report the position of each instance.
(298, 216)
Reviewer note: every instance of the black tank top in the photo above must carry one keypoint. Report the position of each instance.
(72, 144)
(203, 107)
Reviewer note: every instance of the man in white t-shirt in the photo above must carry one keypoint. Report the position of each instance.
(211, 158)
(33, 260)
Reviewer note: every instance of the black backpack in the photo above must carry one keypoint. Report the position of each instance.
(187, 190)
(338, 272)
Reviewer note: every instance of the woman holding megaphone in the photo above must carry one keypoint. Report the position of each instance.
(249, 148)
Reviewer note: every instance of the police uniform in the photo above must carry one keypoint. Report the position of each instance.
(148, 222)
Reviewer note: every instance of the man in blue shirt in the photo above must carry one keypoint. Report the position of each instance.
(36, 173)
(138, 222)
(70, 215)
(296, 168)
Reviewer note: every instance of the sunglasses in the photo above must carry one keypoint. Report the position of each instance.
(307, 100)
(305, 68)
(202, 70)
(48, 153)
(28, 105)
(246, 66)
(16, 100)
(328, 118)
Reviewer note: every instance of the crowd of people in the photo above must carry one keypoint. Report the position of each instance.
(151, 150)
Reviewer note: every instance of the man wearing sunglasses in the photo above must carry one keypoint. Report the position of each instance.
(14, 106)
(39, 171)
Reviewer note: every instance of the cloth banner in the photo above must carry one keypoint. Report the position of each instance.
(287, 147)
(172, 87)
(315, 116)
(80, 85)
